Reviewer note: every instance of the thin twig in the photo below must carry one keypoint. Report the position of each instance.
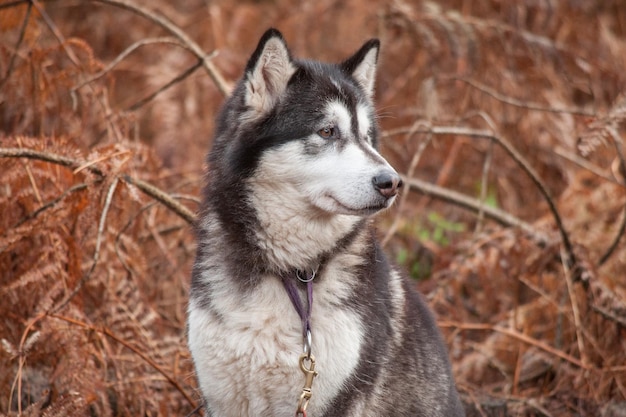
(20, 39)
(154, 232)
(617, 141)
(520, 103)
(130, 221)
(576, 312)
(96, 255)
(56, 32)
(47, 157)
(166, 24)
(70, 54)
(13, 4)
(534, 176)
(22, 352)
(32, 181)
(123, 55)
(521, 161)
(102, 158)
(474, 205)
(609, 315)
(410, 171)
(477, 405)
(486, 168)
(18, 376)
(107, 332)
(147, 188)
(174, 81)
(50, 204)
(484, 186)
(162, 197)
(195, 411)
(223, 86)
(519, 352)
(533, 403)
(583, 163)
(516, 335)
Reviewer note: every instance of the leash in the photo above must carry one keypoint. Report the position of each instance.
(307, 360)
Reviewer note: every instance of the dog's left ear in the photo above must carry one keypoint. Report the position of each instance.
(362, 65)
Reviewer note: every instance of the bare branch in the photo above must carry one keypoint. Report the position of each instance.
(70, 54)
(169, 26)
(147, 188)
(575, 310)
(123, 230)
(55, 31)
(162, 197)
(47, 157)
(138, 352)
(583, 163)
(515, 335)
(20, 39)
(520, 160)
(475, 205)
(50, 204)
(195, 411)
(174, 81)
(617, 141)
(22, 359)
(610, 315)
(484, 185)
(520, 103)
(123, 55)
(96, 254)
(403, 197)
(31, 178)
(13, 4)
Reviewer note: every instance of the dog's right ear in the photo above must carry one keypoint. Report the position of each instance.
(268, 71)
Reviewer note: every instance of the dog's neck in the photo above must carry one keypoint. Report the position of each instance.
(294, 237)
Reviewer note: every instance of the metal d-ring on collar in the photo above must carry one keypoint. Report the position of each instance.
(307, 278)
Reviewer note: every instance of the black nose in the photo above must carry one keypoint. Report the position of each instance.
(387, 183)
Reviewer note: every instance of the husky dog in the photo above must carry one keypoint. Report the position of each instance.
(294, 178)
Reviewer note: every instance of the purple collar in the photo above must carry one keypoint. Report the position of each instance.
(304, 312)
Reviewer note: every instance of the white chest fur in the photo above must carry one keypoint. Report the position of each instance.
(246, 346)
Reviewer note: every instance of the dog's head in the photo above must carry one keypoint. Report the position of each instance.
(307, 130)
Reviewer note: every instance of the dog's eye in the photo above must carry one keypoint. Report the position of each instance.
(327, 132)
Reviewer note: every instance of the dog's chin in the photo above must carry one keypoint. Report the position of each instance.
(334, 205)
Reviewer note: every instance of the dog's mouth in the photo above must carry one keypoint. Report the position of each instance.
(360, 211)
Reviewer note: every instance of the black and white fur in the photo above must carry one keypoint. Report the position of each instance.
(294, 177)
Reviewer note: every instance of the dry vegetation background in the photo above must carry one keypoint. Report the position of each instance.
(506, 118)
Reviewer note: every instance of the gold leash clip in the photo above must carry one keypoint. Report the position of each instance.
(309, 375)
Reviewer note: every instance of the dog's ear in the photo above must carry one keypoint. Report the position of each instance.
(268, 71)
(362, 65)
